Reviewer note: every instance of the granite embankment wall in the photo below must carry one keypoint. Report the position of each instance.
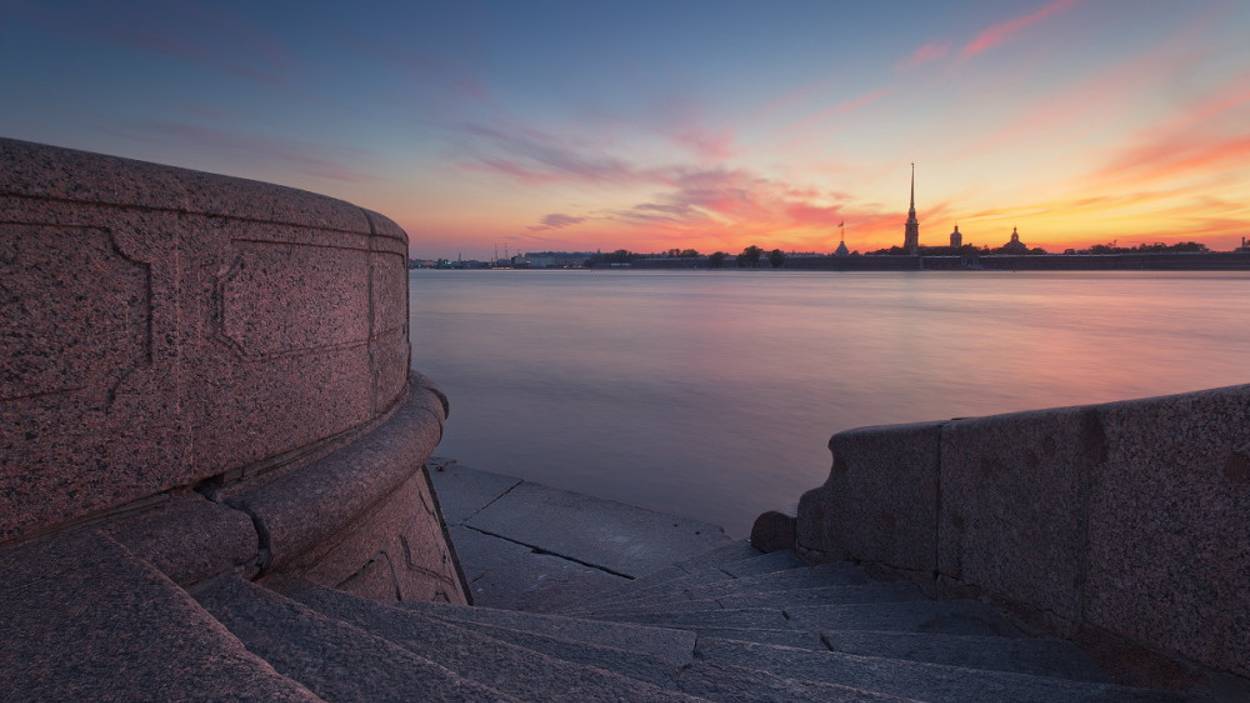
(215, 370)
(1130, 519)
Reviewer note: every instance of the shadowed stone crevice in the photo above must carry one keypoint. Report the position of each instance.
(263, 553)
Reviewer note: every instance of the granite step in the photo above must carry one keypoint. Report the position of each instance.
(948, 617)
(803, 639)
(828, 595)
(762, 564)
(702, 586)
(935, 683)
(734, 551)
(337, 661)
(772, 618)
(524, 673)
(714, 682)
(1043, 656)
(674, 646)
(85, 620)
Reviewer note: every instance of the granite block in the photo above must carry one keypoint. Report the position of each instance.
(388, 368)
(383, 226)
(674, 647)
(521, 672)
(41, 171)
(919, 680)
(166, 326)
(1014, 504)
(336, 660)
(393, 553)
(462, 491)
(952, 617)
(503, 574)
(773, 531)
(86, 620)
(1169, 526)
(880, 502)
(757, 618)
(190, 538)
(621, 538)
(302, 511)
(1039, 657)
(388, 292)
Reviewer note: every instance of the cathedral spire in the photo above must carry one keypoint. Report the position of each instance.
(912, 210)
(911, 231)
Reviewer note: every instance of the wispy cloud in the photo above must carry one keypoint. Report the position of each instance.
(556, 220)
(926, 53)
(301, 157)
(1000, 32)
(532, 156)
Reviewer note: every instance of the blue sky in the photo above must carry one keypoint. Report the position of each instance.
(650, 125)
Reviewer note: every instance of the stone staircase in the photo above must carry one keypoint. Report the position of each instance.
(731, 625)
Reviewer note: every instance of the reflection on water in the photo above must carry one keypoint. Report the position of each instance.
(713, 394)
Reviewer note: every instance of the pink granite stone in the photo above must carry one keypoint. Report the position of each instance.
(302, 512)
(394, 553)
(163, 326)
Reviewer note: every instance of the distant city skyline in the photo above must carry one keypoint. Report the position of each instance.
(649, 126)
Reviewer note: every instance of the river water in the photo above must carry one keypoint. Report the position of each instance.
(712, 394)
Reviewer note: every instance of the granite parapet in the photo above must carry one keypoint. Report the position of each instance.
(1125, 524)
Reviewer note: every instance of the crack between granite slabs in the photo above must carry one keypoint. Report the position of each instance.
(263, 540)
(464, 522)
(547, 552)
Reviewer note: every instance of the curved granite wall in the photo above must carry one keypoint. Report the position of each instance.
(169, 336)
(1130, 519)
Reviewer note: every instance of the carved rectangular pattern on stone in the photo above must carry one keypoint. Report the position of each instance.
(74, 311)
(278, 298)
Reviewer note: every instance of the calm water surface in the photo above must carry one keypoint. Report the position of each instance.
(713, 394)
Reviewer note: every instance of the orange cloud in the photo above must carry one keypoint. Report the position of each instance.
(996, 34)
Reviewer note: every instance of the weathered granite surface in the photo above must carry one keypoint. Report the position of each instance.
(319, 652)
(501, 666)
(1013, 504)
(1125, 523)
(918, 680)
(84, 620)
(504, 574)
(1169, 526)
(163, 326)
(216, 372)
(666, 644)
(528, 546)
(885, 480)
(623, 539)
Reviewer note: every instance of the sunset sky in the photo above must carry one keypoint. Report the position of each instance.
(647, 126)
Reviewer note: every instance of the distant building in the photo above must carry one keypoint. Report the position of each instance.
(539, 262)
(1245, 246)
(911, 232)
(957, 240)
(1015, 246)
(842, 250)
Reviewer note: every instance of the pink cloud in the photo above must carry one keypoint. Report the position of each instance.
(926, 53)
(707, 144)
(996, 34)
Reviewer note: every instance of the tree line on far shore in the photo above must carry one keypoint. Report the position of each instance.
(757, 257)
